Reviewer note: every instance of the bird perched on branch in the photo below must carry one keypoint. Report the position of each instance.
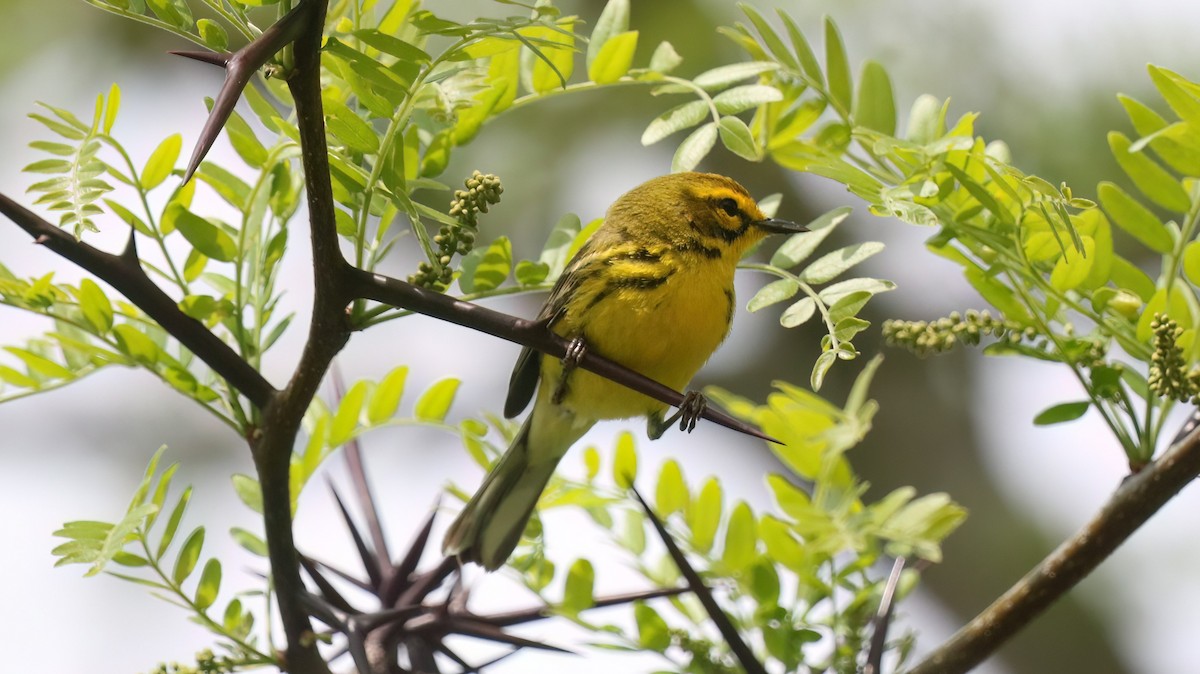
(652, 289)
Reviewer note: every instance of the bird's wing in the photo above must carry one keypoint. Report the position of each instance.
(524, 379)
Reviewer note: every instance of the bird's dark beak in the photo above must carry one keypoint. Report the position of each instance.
(777, 226)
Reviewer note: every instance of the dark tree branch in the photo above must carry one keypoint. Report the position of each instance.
(240, 66)
(372, 286)
(725, 626)
(125, 274)
(327, 335)
(1138, 498)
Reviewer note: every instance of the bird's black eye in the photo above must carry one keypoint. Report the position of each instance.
(729, 206)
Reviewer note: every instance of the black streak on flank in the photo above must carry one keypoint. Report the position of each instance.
(639, 282)
(597, 298)
(639, 255)
(730, 308)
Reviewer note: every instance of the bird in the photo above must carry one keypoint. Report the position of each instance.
(651, 289)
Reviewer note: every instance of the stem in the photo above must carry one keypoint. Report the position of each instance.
(200, 613)
(808, 290)
(150, 221)
(1113, 424)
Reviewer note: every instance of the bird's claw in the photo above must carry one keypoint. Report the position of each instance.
(576, 348)
(691, 410)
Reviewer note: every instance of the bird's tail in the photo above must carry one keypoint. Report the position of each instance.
(490, 526)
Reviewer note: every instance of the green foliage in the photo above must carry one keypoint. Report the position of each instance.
(803, 572)
(130, 544)
(404, 88)
(1041, 256)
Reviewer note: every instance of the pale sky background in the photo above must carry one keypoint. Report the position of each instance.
(57, 467)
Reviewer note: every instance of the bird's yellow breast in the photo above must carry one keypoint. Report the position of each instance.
(662, 315)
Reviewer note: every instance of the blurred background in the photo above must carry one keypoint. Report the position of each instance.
(1044, 75)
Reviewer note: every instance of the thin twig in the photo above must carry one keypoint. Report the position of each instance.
(1138, 498)
(522, 616)
(883, 616)
(725, 626)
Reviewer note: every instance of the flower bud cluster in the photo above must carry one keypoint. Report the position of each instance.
(483, 190)
(941, 335)
(206, 663)
(1168, 376)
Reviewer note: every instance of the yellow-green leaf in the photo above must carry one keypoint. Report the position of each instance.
(671, 494)
(704, 515)
(625, 462)
(189, 554)
(386, 397)
(1137, 220)
(435, 402)
(210, 584)
(485, 269)
(577, 595)
(1072, 268)
(96, 307)
(161, 162)
(876, 104)
(1153, 180)
(345, 420)
(837, 67)
(204, 236)
(741, 538)
(614, 59)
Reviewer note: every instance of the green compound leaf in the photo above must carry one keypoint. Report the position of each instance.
(653, 632)
(773, 293)
(738, 139)
(837, 67)
(161, 162)
(876, 105)
(487, 268)
(1151, 179)
(189, 554)
(671, 494)
(799, 246)
(578, 593)
(1061, 413)
(625, 463)
(209, 239)
(613, 21)
(614, 59)
(678, 118)
(1138, 221)
(385, 399)
(694, 148)
(831, 265)
(210, 584)
(741, 538)
(704, 515)
(349, 410)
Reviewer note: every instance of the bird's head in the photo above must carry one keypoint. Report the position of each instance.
(710, 208)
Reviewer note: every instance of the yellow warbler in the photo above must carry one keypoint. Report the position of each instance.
(652, 289)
